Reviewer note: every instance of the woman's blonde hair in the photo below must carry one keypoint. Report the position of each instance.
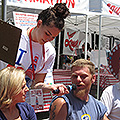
(11, 80)
(84, 63)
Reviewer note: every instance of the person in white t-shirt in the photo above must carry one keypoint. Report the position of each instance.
(111, 99)
(36, 55)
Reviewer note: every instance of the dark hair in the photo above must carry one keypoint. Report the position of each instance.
(88, 46)
(54, 16)
(83, 56)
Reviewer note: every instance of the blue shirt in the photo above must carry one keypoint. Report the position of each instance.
(26, 112)
(81, 110)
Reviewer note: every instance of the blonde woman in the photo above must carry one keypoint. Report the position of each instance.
(12, 96)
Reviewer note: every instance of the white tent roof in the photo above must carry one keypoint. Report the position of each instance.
(110, 25)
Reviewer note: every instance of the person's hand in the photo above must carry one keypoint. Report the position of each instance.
(62, 88)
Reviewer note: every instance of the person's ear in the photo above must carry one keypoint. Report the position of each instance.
(93, 78)
(39, 23)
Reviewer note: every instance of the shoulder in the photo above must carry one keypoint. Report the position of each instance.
(61, 101)
(26, 111)
(24, 37)
(58, 109)
(109, 89)
(24, 32)
(49, 46)
(58, 100)
(49, 50)
(2, 117)
(91, 99)
(97, 103)
(25, 106)
(97, 106)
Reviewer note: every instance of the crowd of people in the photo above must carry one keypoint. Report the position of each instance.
(35, 58)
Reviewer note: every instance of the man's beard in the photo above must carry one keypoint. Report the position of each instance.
(81, 93)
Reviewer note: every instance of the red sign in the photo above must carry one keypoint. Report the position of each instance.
(113, 8)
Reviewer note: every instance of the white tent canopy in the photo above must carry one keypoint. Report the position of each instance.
(110, 24)
(79, 9)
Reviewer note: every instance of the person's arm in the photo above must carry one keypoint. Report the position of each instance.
(105, 118)
(38, 83)
(58, 110)
(39, 78)
(68, 57)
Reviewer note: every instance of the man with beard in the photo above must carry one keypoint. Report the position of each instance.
(79, 104)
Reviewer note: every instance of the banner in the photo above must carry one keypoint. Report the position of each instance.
(25, 20)
(111, 7)
(72, 41)
(73, 5)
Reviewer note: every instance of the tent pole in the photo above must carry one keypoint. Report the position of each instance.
(94, 39)
(98, 79)
(58, 60)
(86, 36)
(4, 9)
(89, 38)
